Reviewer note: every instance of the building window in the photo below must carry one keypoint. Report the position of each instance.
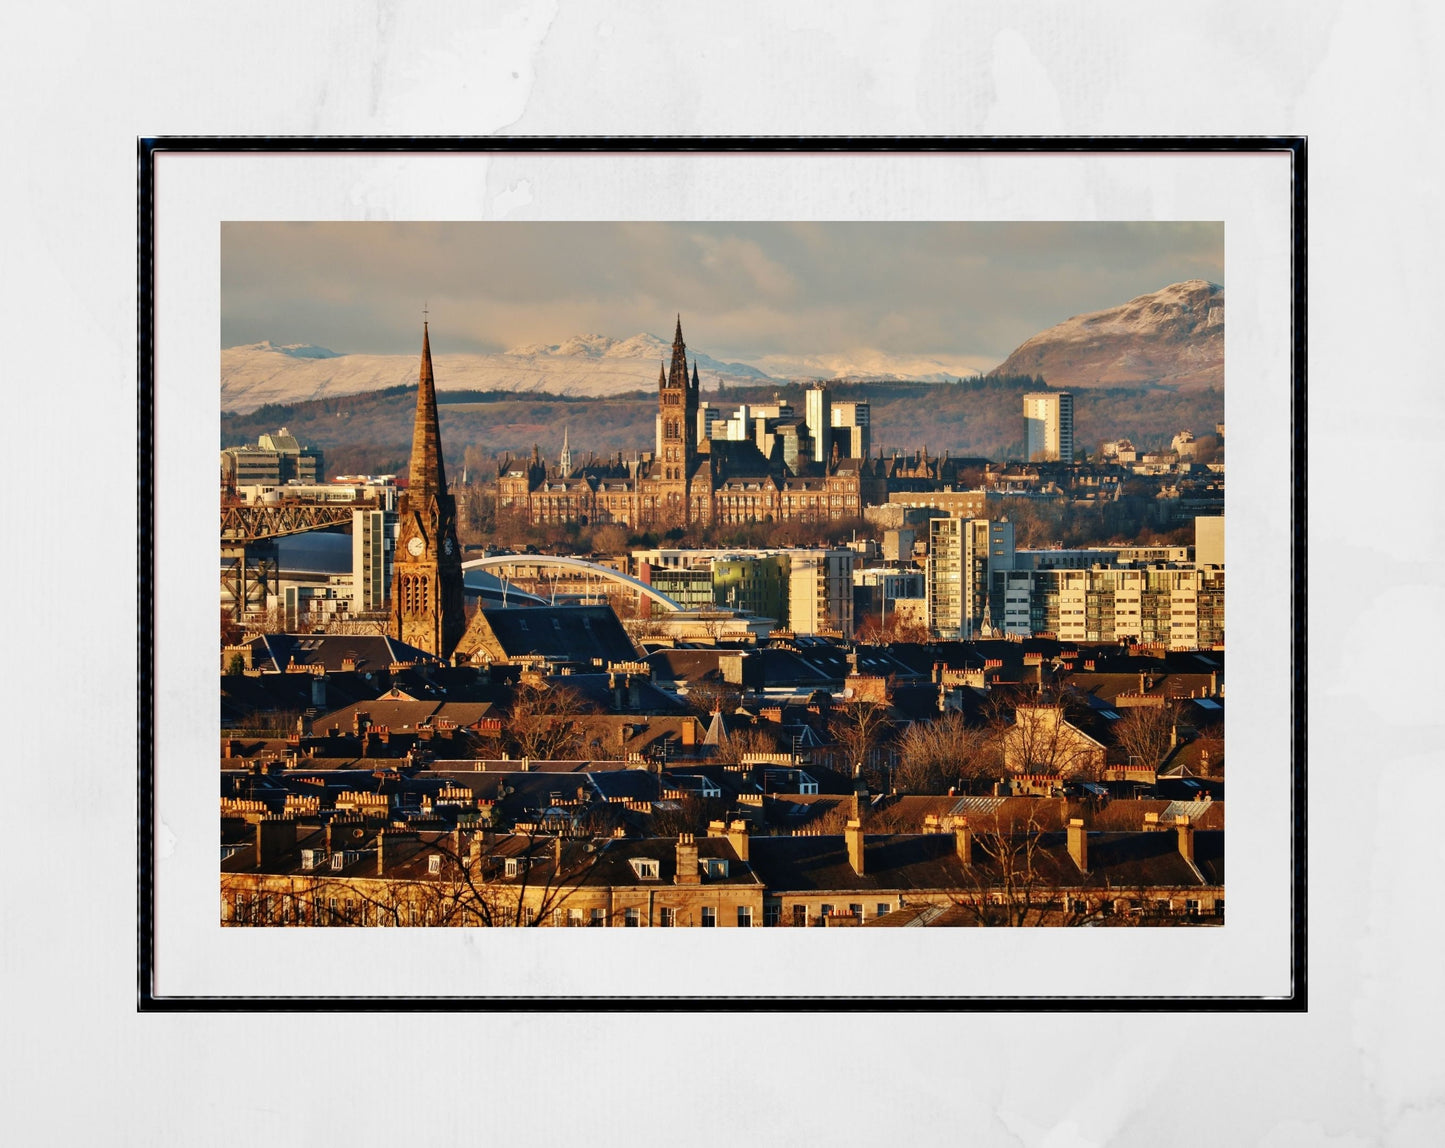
(709, 917)
(856, 910)
(745, 917)
(668, 917)
(881, 909)
(772, 916)
(574, 918)
(800, 916)
(598, 920)
(632, 918)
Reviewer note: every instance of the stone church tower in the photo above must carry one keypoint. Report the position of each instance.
(676, 456)
(426, 588)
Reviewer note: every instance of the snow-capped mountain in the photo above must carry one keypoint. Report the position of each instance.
(1173, 337)
(869, 363)
(584, 365)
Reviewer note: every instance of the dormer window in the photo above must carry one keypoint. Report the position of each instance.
(716, 867)
(515, 866)
(646, 868)
(434, 864)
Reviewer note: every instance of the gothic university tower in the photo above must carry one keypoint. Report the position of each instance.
(676, 457)
(426, 588)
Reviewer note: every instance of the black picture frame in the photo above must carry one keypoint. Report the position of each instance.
(150, 148)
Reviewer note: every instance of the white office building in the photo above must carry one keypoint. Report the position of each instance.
(1049, 427)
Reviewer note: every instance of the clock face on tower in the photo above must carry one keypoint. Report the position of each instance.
(415, 547)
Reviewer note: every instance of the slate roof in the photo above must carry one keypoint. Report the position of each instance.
(596, 691)
(1122, 861)
(370, 653)
(243, 695)
(577, 634)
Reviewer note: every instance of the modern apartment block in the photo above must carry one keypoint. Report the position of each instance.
(373, 542)
(1180, 607)
(850, 428)
(1049, 427)
(962, 555)
(817, 413)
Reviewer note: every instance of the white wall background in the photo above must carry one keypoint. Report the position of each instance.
(80, 82)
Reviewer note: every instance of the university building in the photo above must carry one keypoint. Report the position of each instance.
(762, 464)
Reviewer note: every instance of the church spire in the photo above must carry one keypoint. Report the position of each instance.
(677, 372)
(428, 474)
(694, 373)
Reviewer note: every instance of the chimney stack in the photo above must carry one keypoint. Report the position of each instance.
(963, 841)
(1079, 844)
(853, 835)
(738, 838)
(687, 873)
(381, 852)
(1186, 838)
(275, 837)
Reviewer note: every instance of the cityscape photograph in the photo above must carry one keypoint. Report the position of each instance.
(787, 574)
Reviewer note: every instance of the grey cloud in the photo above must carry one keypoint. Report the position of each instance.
(744, 290)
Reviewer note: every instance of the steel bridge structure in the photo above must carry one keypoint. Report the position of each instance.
(247, 535)
(507, 567)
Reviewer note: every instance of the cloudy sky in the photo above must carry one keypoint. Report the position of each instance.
(964, 292)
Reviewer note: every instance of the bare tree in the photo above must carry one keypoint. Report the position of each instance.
(894, 628)
(740, 743)
(710, 696)
(1041, 740)
(1148, 733)
(944, 752)
(859, 729)
(544, 722)
(1019, 882)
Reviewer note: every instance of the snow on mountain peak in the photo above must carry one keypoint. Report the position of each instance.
(294, 350)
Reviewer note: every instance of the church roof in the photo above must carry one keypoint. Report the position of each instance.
(576, 634)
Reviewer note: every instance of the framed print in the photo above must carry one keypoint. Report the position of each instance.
(684, 534)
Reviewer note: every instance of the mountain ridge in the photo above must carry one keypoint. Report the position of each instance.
(1173, 337)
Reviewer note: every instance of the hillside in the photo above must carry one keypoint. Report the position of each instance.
(1173, 337)
(371, 433)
